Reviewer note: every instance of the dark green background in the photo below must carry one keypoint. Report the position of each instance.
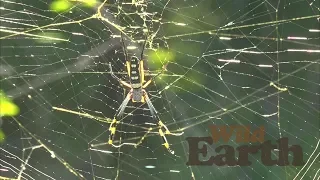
(198, 97)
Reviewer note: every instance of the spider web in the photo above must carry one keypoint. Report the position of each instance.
(248, 62)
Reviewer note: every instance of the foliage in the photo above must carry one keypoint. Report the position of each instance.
(7, 107)
(60, 5)
(66, 5)
(160, 57)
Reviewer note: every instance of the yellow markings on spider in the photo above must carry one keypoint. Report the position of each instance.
(114, 121)
(128, 67)
(141, 71)
(162, 125)
(166, 145)
(113, 130)
(143, 99)
(161, 132)
(110, 141)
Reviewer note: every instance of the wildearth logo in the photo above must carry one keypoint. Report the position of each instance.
(243, 135)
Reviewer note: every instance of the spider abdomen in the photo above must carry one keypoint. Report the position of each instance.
(134, 70)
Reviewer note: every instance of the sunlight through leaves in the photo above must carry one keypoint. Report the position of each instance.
(160, 57)
(60, 5)
(7, 107)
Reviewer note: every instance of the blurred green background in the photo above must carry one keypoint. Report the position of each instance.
(68, 69)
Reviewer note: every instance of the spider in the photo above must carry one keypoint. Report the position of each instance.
(137, 93)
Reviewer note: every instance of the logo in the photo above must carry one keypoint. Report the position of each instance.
(243, 134)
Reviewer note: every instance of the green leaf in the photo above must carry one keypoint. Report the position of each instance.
(7, 107)
(60, 5)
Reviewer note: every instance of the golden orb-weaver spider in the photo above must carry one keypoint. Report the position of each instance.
(137, 93)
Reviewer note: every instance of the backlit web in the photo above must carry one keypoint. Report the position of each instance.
(247, 62)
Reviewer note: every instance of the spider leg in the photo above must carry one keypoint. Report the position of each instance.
(162, 128)
(144, 45)
(117, 78)
(115, 121)
(124, 48)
